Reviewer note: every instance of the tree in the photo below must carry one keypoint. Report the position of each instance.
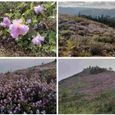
(79, 14)
(110, 69)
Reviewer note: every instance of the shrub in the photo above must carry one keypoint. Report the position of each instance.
(96, 49)
(96, 70)
(27, 93)
(105, 39)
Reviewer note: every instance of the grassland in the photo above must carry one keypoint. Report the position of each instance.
(86, 93)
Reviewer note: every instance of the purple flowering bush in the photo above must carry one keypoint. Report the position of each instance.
(31, 91)
(28, 28)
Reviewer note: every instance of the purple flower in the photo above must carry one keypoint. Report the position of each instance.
(6, 22)
(29, 21)
(38, 9)
(17, 28)
(37, 40)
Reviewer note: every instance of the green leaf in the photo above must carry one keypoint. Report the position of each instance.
(52, 37)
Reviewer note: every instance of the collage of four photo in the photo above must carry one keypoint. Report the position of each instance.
(57, 57)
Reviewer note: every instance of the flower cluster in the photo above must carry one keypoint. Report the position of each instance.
(26, 93)
(6, 22)
(37, 40)
(18, 28)
(38, 9)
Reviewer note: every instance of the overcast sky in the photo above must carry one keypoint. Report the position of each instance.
(68, 67)
(105, 5)
(15, 64)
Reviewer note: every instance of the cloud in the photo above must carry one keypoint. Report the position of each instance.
(100, 5)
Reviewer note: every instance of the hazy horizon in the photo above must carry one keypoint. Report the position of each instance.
(91, 4)
(16, 64)
(69, 67)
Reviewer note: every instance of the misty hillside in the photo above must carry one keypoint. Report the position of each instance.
(31, 90)
(87, 11)
(80, 36)
(90, 91)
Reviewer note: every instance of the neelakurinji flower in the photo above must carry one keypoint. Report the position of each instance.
(18, 28)
(38, 9)
(6, 22)
(29, 21)
(38, 40)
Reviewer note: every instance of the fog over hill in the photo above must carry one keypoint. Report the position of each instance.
(87, 11)
(99, 5)
(88, 8)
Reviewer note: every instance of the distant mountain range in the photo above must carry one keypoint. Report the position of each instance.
(87, 11)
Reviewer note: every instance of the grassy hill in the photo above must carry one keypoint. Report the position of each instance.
(88, 92)
(80, 36)
(31, 90)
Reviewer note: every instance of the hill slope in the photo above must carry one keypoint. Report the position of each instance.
(83, 37)
(87, 94)
(31, 90)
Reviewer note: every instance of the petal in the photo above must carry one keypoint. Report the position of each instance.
(6, 21)
(14, 35)
(11, 27)
(23, 29)
(41, 38)
(14, 32)
(35, 9)
(38, 9)
(2, 24)
(36, 41)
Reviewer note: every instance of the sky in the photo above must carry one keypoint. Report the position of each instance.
(15, 64)
(100, 5)
(68, 67)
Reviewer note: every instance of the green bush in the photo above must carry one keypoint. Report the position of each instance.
(96, 49)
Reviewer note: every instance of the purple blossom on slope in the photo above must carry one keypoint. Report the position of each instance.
(38, 40)
(38, 9)
(29, 21)
(21, 95)
(6, 22)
